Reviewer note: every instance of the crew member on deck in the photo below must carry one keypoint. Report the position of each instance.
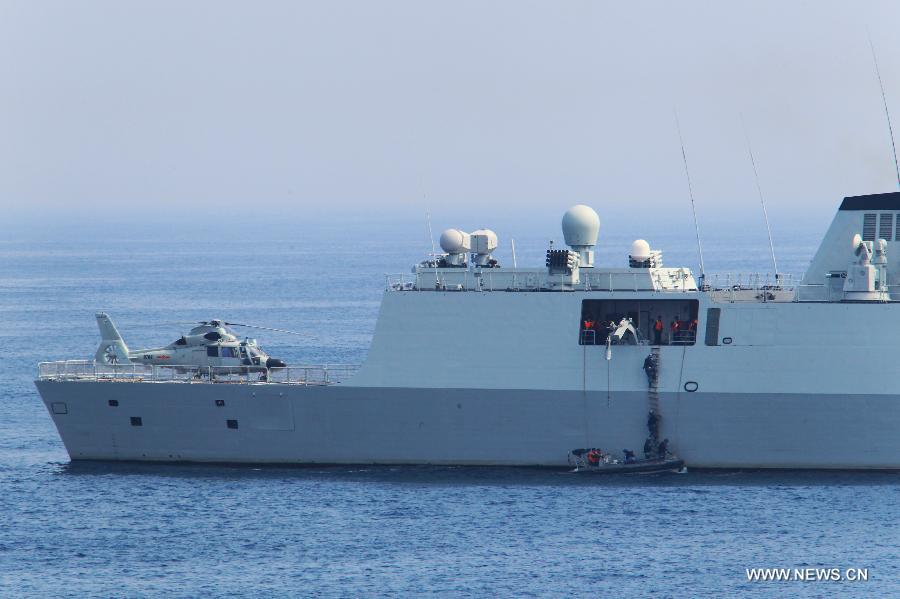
(629, 456)
(658, 330)
(588, 334)
(674, 327)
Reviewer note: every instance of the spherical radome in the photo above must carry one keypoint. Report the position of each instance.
(640, 250)
(581, 226)
(454, 241)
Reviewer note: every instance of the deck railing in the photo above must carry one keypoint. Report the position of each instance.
(84, 370)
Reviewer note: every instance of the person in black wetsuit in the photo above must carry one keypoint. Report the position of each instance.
(650, 369)
(648, 448)
(629, 456)
(663, 450)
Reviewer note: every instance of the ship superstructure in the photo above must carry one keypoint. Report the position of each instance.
(473, 362)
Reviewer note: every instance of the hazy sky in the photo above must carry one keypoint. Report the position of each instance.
(493, 114)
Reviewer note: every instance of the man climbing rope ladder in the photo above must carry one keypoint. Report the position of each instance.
(650, 369)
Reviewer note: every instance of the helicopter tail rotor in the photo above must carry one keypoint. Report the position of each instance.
(112, 348)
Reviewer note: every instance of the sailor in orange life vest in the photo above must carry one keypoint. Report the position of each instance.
(593, 457)
(657, 331)
(588, 338)
(675, 326)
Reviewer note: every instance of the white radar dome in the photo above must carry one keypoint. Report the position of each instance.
(581, 226)
(484, 241)
(640, 250)
(454, 241)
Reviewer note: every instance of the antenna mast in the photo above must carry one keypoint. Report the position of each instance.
(687, 172)
(761, 199)
(430, 234)
(887, 113)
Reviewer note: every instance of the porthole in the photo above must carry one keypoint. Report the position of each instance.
(232, 423)
(220, 402)
(727, 340)
(113, 403)
(59, 407)
(691, 386)
(136, 421)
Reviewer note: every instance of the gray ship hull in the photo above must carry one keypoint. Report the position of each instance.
(351, 425)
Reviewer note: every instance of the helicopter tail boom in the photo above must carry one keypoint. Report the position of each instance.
(112, 348)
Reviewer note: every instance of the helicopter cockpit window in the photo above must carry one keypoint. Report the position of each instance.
(181, 341)
(212, 351)
(228, 352)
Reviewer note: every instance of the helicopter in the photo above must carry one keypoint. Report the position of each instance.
(210, 344)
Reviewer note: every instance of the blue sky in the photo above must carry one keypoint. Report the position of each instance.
(483, 113)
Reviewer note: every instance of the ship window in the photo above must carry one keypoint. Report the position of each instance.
(232, 423)
(869, 227)
(136, 421)
(598, 318)
(885, 225)
(220, 402)
(229, 352)
(897, 232)
(712, 326)
(113, 403)
(212, 351)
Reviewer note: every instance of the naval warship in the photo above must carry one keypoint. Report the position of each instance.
(758, 372)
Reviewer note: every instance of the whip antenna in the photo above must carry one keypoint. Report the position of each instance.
(687, 173)
(887, 113)
(430, 234)
(761, 199)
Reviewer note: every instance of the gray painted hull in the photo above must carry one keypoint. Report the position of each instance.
(337, 424)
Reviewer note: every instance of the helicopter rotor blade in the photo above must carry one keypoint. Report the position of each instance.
(253, 326)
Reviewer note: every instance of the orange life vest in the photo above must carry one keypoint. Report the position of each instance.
(658, 326)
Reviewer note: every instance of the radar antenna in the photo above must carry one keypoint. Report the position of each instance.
(887, 112)
(687, 173)
(761, 199)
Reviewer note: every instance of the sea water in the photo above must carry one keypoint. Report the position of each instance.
(107, 529)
